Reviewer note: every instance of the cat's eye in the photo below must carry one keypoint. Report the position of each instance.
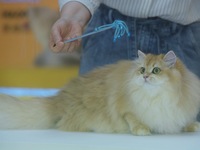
(156, 70)
(142, 70)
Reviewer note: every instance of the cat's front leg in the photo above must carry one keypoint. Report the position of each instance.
(135, 126)
(193, 127)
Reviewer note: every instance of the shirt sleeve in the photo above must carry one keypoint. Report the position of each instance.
(91, 5)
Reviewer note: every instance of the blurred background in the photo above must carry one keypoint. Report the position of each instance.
(25, 57)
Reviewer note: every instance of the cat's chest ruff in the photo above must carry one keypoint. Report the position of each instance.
(148, 90)
(158, 110)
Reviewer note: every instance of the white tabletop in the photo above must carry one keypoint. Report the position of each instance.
(59, 140)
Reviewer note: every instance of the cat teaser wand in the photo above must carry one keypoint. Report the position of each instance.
(119, 26)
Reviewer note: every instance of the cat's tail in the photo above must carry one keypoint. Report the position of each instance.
(35, 113)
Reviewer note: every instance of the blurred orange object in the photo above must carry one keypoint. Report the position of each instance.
(18, 46)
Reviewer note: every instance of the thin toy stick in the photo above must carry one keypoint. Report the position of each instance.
(119, 26)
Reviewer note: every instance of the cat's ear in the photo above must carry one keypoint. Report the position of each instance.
(141, 55)
(170, 59)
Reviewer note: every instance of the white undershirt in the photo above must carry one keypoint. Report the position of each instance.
(179, 11)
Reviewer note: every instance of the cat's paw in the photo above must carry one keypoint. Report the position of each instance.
(141, 130)
(135, 126)
(194, 127)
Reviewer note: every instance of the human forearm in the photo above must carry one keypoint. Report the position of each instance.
(76, 11)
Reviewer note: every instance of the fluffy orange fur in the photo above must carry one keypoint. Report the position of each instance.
(153, 94)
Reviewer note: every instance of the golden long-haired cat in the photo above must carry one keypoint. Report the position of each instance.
(153, 94)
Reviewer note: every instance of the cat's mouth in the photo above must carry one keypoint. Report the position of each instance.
(147, 81)
(151, 83)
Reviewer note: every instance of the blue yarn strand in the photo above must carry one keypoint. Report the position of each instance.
(119, 26)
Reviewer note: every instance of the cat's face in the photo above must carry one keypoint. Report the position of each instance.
(151, 73)
(153, 70)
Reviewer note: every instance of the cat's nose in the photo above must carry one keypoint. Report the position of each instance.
(145, 76)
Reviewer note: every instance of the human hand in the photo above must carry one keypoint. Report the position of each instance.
(65, 29)
(74, 17)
